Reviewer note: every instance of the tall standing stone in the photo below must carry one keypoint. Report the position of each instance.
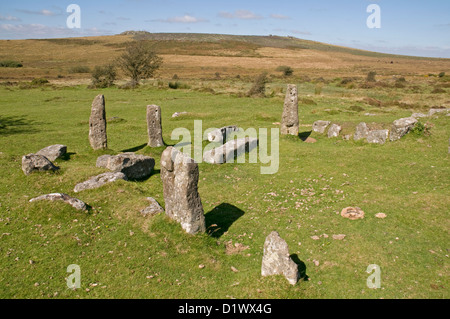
(97, 124)
(276, 259)
(289, 121)
(154, 127)
(180, 174)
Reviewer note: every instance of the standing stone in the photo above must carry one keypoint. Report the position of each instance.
(154, 127)
(334, 131)
(53, 152)
(361, 131)
(180, 174)
(378, 136)
(402, 127)
(220, 135)
(33, 162)
(320, 126)
(276, 259)
(289, 121)
(97, 124)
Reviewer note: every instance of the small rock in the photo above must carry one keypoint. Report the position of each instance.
(201, 266)
(315, 237)
(334, 131)
(320, 126)
(362, 131)
(310, 140)
(339, 237)
(316, 263)
(352, 213)
(381, 215)
(153, 209)
(178, 114)
(132, 165)
(378, 136)
(234, 269)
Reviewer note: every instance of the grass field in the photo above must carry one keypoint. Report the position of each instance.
(125, 255)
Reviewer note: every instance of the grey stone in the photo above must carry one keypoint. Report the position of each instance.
(180, 174)
(99, 181)
(418, 115)
(97, 124)
(277, 261)
(434, 111)
(334, 130)
(153, 209)
(53, 152)
(220, 135)
(362, 131)
(229, 151)
(154, 127)
(378, 136)
(289, 120)
(402, 127)
(132, 165)
(320, 126)
(178, 114)
(74, 202)
(33, 162)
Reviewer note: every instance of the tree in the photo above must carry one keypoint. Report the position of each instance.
(139, 61)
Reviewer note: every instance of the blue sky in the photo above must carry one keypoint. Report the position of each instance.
(410, 27)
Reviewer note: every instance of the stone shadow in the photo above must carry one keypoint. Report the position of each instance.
(134, 149)
(301, 267)
(304, 135)
(220, 219)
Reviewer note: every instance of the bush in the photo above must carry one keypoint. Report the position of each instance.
(39, 81)
(371, 76)
(175, 77)
(287, 70)
(318, 89)
(421, 129)
(10, 64)
(80, 69)
(103, 76)
(259, 86)
(178, 85)
(441, 75)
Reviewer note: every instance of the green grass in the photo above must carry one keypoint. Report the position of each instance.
(124, 255)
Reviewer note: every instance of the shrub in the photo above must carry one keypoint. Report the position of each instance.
(39, 81)
(103, 76)
(371, 76)
(356, 108)
(80, 69)
(287, 70)
(441, 75)
(175, 77)
(318, 89)
(178, 85)
(259, 86)
(10, 64)
(421, 129)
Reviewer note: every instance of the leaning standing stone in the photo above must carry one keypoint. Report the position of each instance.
(276, 259)
(97, 124)
(289, 121)
(154, 127)
(402, 127)
(179, 174)
(33, 162)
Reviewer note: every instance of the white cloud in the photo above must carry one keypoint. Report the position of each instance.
(279, 16)
(301, 32)
(240, 14)
(9, 18)
(40, 31)
(43, 12)
(183, 19)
